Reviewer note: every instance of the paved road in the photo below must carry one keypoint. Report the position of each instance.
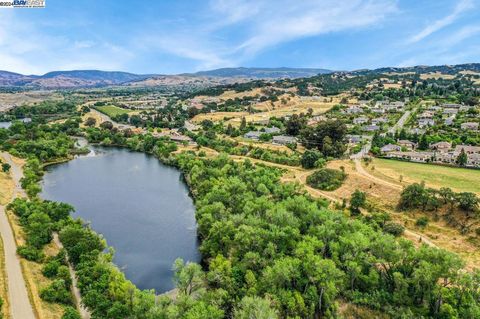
(17, 291)
(401, 122)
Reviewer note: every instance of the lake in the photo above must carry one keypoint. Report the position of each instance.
(141, 207)
(8, 124)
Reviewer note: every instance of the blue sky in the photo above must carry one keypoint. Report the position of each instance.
(175, 36)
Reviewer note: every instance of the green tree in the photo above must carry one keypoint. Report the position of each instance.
(462, 158)
(189, 277)
(357, 201)
(90, 122)
(254, 308)
(310, 158)
(6, 167)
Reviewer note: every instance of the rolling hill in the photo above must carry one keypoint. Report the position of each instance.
(95, 78)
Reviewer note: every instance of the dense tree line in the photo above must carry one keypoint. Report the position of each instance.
(264, 238)
(459, 209)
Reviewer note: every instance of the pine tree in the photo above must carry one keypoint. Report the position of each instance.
(462, 158)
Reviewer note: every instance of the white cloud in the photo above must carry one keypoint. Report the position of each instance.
(285, 21)
(264, 24)
(27, 49)
(460, 8)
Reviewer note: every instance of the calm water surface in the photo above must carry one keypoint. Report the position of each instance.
(141, 206)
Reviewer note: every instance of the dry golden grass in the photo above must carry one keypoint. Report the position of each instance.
(218, 116)
(268, 146)
(232, 94)
(285, 106)
(436, 76)
(399, 73)
(3, 283)
(6, 188)
(468, 72)
(392, 86)
(9, 100)
(94, 115)
(293, 106)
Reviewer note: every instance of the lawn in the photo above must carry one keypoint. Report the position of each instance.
(112, 110)
(436, 176)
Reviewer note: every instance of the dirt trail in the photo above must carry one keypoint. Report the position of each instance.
(20, 306)
(362, 171)
(84, 313)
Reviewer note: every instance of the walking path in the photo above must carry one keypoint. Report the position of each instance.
(20, 306)
(84, 313)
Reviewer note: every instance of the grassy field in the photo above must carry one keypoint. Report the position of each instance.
(459, 179)
(112, 110)
(436, 76)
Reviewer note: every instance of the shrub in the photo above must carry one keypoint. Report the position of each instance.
(57, 291)
(71, 313)
(394, 229)
(422, 222)
(326, 179)
(50, 269)
(30, 253)
(477, 231)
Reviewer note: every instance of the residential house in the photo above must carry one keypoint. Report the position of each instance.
(467, 149)
(379, 120)
(390, 148)
(426, 115)
(449, 120)
(416, 131)
(418, 157)
(363, 103)
(409, 145)
(181, 139)
(444, 157)
(378, 110)
(434, 108)
(380, 104)
(354, 110)
(253, 135)
(441, 146)
(425, 122)
(360, 120)
(394, 106)
(450, 111)
(472, 126)
(354, 139)
(473, 160)
(272, 130)
(284, 140)
(371, 128)
(451, 106)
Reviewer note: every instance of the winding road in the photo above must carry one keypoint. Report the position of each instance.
(20, 306)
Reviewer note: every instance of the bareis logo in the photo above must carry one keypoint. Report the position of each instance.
(23, 4)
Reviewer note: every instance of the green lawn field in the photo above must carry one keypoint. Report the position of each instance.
(459, 179)
(112, 110)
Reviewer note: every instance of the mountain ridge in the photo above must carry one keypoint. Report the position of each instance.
(98, 78)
